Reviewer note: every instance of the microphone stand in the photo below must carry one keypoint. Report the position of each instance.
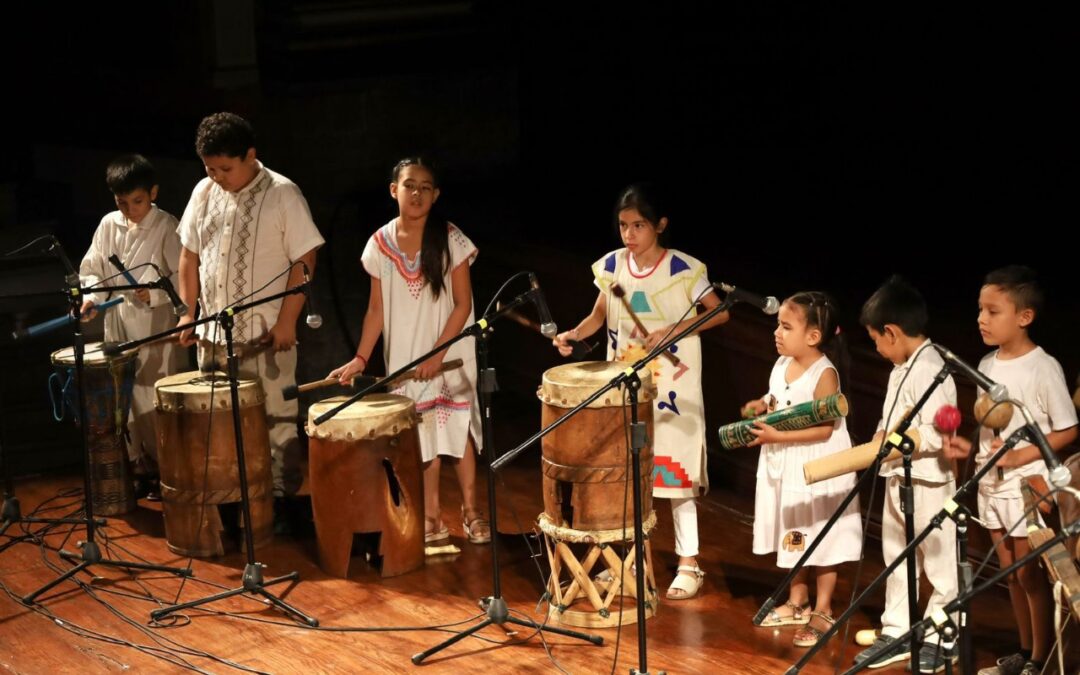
(895, 440)
(941, 620)
(253, 582)
(951, 509)
(495, 608)
(628, 378)
(91, 552)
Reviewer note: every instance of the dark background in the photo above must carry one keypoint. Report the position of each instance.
(803, 147)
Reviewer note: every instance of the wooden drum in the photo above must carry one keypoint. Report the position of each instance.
(585, 462)
(588, 519)
(197, 457)
(366, 476)
(109, 382)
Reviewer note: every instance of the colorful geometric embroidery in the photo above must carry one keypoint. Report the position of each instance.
(639, 303)
(609, 263)
(444, 405)
(678, 265)
(669, 404)
(409, 271)
(669, 473)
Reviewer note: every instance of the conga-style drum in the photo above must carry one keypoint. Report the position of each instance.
(588, 507)
(108, 384)
(585, 462)
(197, 459)
(366, 476)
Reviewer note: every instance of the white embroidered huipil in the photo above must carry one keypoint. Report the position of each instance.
(413, 320)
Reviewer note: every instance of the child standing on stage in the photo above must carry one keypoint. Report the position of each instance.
(895, 317)
(138, 232)
(661, 285)
(1009, 302)
(421, 296)
(788, 513)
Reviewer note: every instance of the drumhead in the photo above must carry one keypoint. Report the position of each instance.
(196, 391)
(373, 416)
(92, 356)
(568, 385)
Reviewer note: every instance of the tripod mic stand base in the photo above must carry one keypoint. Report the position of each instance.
(254, 584)
(91, 555)
(498, 614)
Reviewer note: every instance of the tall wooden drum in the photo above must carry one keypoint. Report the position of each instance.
(588, 519)
(366, 476)
(197, 458)
(108, 384)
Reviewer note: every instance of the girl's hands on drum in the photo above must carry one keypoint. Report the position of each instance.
(562, 342)
(657, 335)
(429, 368)
(347, 372)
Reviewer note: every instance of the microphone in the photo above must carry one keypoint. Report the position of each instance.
(314, 319)
(769, 305)
(115, 260)
(1060, 476)
(72, 277)
(547, 326)
(998, 392)
(164, 284)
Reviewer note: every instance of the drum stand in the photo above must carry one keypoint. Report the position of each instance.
(91, 552)
(495, 609)
(629, 379)
(252, 581)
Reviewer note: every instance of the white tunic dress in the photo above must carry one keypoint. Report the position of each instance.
(788, 513)
(413, 320)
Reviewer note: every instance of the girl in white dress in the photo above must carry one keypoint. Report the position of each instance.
(788, 513)
(661, 285)
(421, 296)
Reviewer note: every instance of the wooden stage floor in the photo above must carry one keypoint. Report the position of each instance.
(95, 628)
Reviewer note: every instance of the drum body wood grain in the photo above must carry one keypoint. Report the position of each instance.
(197, 458)
(366, 476)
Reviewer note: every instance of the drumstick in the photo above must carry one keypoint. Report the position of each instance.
(293, 390)
(581, 349)
(620, 293)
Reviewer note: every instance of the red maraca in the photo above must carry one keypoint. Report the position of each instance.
(947, 419)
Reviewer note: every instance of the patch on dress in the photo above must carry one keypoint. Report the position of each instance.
(794, 541)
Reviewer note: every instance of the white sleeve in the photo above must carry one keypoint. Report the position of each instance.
(1054, 396)
(299, 231)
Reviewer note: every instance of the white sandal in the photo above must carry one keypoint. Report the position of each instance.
(688, 584)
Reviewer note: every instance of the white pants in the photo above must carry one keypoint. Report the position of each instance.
(684, 514)
(936, 556)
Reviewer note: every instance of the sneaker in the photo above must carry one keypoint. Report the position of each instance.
(932, 658)
(1032, 668)
(885, 650)
(1013, 664)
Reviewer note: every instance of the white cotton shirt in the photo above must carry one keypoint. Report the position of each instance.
(244, 241)
(923, 365)
(1036, 380)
